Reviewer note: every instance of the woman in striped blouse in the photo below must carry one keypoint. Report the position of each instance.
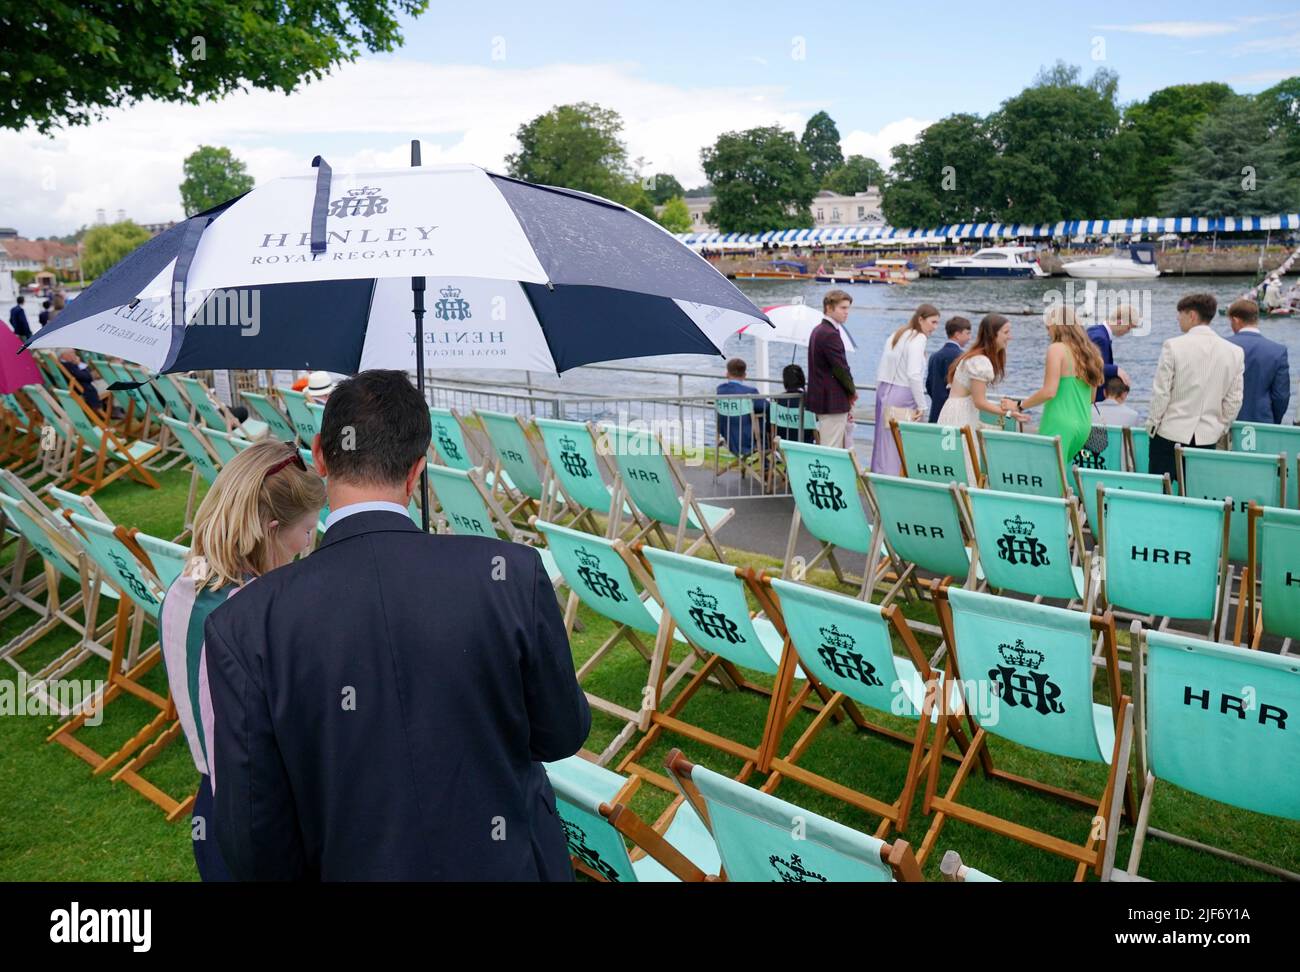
(260, 513)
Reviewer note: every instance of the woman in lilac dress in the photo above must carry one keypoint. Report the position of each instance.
(900, 385)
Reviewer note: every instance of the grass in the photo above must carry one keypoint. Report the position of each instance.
(60, 823)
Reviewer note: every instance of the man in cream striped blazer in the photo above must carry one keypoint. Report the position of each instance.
(1198, 385)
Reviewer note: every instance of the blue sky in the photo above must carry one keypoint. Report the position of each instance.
(679, 74)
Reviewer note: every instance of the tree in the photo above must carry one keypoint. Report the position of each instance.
(1156, 127)
(1281, 106)
(664, 187)
(946, 176)
(212, 175)
(821, 142)
(762, 179)
(102, 55)
(1056, 158)
(857, 174)
(675, 218)
(579, 147)
(105, 245)
(1233, 167)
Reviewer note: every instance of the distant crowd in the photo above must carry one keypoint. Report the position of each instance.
(1203, 381)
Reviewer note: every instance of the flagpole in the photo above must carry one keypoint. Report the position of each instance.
(417, 291)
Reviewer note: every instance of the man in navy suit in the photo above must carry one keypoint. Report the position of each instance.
(18, 319)
(1123, 321)
(1266, 390)
(382, 707)
(936, 375)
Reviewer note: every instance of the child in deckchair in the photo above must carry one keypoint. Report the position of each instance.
(260, 513)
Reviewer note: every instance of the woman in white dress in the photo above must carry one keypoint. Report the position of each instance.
(970, 378)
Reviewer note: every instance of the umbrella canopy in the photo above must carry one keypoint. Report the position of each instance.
(17, 368)
(792, 324)
(314, 271)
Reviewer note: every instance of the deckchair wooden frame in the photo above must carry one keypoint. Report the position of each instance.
(109, 447)
(1251, 581)
(783, 701)
(745, 465)
(1060, 462)
(524, 505)
(56, 463)
(895, 814)
(686, 500)
(555, 495)
(896, 855)
(1142, 828)
(124, 674)
(1087, 856)
(968, 439)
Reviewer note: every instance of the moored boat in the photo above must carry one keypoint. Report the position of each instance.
(1137, 261)
(992, 261)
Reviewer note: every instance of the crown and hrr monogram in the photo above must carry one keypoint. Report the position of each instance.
(1017, 527)
(819, 470)
(587, 558)
(1019, 656)
(836, 638)
(703, 600)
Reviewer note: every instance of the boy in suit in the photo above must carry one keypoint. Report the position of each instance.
(936, 374)
(831, 389)
(1266, 385)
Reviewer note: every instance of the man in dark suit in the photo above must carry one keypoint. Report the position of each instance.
(831, 390)
(1124, 320)
(936, 375)
(18, 320)
(1266, 390)
(382, 707)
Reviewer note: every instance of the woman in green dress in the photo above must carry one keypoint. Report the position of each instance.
(1070, 379)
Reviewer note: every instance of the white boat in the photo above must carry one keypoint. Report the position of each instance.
(1137, 261)
(992, 261)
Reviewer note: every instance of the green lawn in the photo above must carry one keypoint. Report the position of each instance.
(58, 822)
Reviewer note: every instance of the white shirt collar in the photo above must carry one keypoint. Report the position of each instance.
(367, 507)
(1249, 329)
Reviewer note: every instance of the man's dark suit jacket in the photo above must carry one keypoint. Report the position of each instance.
(1101, 337)
(936, 377)
(829, 379)
(1266, 383)
(381, 708)
(18, 321)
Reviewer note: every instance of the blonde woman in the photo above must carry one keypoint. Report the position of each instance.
(260, 513)
(1071, 376)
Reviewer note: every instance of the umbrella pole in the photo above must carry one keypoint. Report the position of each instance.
(417, 291)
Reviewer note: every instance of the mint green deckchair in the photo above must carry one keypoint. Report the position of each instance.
(1219, 721)
(279, 427)
(575, 470)
(734, 413)
(705, 602)
(516, 456)
(226, 445)
(57, 444)
(827, 488)
(105, 448)
(1027, 675)
(846, 645)
(654, 486)
(925, 525)
(591, 802)
(1017, 462)
(1269, 439)
(1139, 448)
(302, 418)
(763, 838)
(952, 869)
(178, 406)
(203, 461)
(1032, 545)
(215, 415)
(62, 558)
(936, 453)
(1089, 481)
(1272, 577)
(1165, 556)
(598, 573)
(450, 443)
(1246, 477)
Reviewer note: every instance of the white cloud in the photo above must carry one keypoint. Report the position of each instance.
(1181, 29)
(1269, 45)
(879, 145)
(362, 115)
(1264, 77)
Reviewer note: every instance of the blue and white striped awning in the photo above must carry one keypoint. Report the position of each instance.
(1150, 225)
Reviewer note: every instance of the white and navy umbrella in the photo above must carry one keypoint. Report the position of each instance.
(315, 271)
(792, 324)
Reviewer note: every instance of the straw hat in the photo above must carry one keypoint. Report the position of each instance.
(320, 384)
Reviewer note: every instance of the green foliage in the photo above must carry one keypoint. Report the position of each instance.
(821, 143)
(857, 174)
(1281, 106)
(675, 218)
(1234, 166)
(24, 277)
(105, 245)
(664, 187)
(946, 176)
(212, 175)
(1169, 116)
(92, 56)
(762, 179)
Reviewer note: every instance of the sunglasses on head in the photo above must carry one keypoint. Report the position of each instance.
(293, 460)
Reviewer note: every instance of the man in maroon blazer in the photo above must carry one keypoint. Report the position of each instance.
(831, 392)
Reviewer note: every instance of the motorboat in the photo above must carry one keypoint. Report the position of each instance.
(1137, 261)
(992, 261)
(776, 270)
